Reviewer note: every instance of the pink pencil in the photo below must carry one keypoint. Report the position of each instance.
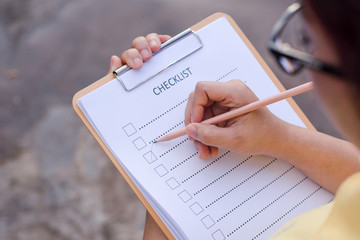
(244, 109)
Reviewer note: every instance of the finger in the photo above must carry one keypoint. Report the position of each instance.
(210, 135)
(188, 109)
(200, 101)
(115, 63)
(154, 41)
(213, 151)
(164, 38)
(142, 45)
(187, 120)
(229, 95)
(202, 149)
(132, 58)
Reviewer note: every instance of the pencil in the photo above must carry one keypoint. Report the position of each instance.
(244, 109)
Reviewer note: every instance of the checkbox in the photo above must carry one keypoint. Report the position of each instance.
(129, 129)
(218, 235)
(172, 183)
(208, 221)
(185, 196)
(139, 143)
(196, 208)
(161, 170)
(150, 157)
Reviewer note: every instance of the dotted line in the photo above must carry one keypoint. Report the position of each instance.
(202, 169)
(223, 175)
(266, 207)
(169, 130)
(232, 210)
(332, 199)
(182, 162)
(227, 74)
(292, 209)
(164, 113)
(177, 145)
(244, 181)
(217, 179)
(232, 169)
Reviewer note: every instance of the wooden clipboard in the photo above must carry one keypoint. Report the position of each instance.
(110, 77)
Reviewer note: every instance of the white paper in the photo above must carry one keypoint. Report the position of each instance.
(229, 197)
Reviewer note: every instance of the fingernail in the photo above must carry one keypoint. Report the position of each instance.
(137, 62)
(145, 53)
(153, 43)
(191, 131)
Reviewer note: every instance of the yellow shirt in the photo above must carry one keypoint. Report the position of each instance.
(337, 220)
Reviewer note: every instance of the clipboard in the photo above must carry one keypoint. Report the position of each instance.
(119, 73)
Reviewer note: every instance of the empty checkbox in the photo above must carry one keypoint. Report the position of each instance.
(208, 221)
(218, 235)
(129, 129)
(150, 157)
(172, 183)
(185, 196)
(161, 170)
(196, 208)
(139, 143)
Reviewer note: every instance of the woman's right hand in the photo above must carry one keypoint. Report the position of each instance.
(141, 50)
(257, 132)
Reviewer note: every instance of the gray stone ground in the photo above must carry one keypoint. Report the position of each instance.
(55, 181)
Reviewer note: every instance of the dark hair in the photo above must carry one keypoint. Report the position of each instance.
(341, 21)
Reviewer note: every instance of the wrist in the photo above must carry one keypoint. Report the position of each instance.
(277, 137)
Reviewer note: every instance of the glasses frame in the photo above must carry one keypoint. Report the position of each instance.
(279, 49)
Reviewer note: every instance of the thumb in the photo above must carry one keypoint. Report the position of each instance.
(210, 135)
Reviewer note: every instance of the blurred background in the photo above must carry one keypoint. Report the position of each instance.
(55, 181)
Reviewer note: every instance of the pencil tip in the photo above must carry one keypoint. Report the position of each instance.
(159, 140)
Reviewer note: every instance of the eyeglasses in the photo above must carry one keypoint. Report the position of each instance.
(294, 51)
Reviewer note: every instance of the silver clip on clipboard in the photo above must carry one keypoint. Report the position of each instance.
(171, 52)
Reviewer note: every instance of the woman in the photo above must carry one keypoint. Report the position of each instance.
(334, 28)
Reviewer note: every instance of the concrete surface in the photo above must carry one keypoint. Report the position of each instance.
(55, 181)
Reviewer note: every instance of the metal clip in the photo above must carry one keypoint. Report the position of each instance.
(119, 73)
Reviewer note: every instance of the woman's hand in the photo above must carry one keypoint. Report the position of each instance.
(252, 133)
(141, 51)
